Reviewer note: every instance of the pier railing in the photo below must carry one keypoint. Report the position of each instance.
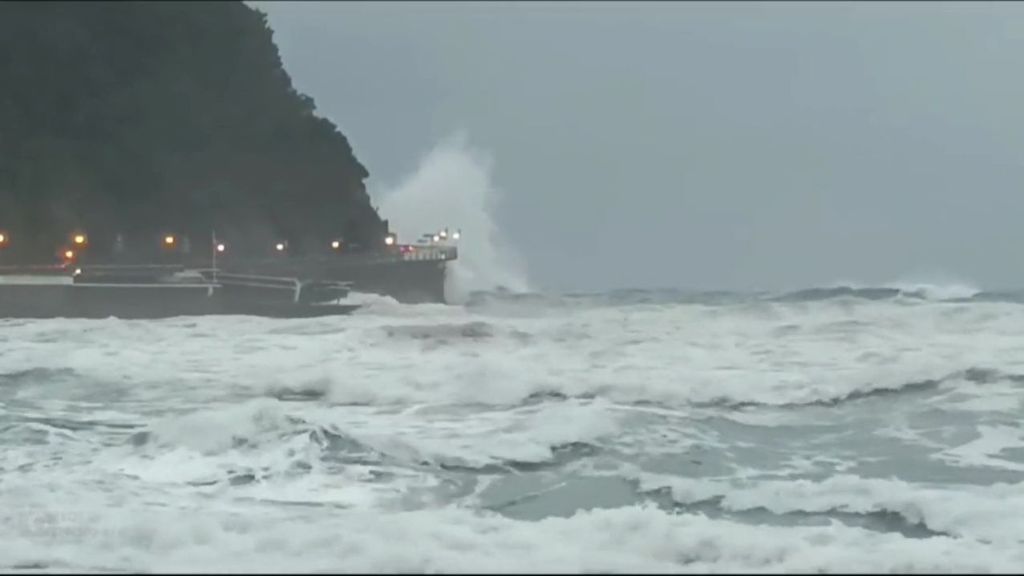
(439, 253)
(404, 253)
(400, 253)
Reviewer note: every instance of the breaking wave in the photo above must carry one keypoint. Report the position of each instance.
(640, 539)
(453, 187)
(867, 390)
(484, 299)
(910, 291)
(749, 354)
(631, 431)
(875, 500)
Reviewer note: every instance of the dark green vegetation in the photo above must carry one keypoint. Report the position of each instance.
(145, 118)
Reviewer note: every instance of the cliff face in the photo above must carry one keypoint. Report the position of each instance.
(141, 118)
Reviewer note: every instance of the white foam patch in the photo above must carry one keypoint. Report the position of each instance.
(938, 291)
(220, 538)
(481, 438)
(985, 513)
(1003, 396)
(907, 435)
(282, 452)
(769, 353)
(215, 430)
(984, 451)
(373, 301)
(474, 438)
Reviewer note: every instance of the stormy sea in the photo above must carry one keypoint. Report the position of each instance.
(834, 429)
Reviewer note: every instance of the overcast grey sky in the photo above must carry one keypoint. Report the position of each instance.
(705, 145)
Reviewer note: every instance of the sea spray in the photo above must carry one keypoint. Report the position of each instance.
(452, 187)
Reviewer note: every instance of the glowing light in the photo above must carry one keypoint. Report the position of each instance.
(443, 233)
(79, 239)
(3, 238)
(280, 246)
(336, 244)
(436, 238)
(169, 240)
(69, 254)
(221, 247)
(390, 240)
(457, 234)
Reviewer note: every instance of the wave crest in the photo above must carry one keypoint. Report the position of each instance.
(979, 512)
(929, 292)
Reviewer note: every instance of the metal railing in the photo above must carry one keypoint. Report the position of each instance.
(439, 253)
(269, 282)
(399, 253)
(329, 261)
(99, 276)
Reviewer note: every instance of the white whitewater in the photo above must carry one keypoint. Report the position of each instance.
(520, 435)
(453, 187)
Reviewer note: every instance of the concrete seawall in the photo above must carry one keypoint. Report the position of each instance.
(410, 281)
